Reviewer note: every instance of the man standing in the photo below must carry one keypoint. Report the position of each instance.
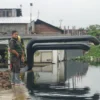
(16, 57)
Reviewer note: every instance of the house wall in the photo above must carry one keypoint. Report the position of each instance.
(45, 29)
(43, 56)
(7, 28)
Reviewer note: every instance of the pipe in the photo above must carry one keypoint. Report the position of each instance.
(57, 46)
(54, 46)
(53, 39)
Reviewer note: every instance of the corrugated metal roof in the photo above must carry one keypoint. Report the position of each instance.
(7, 8)
(9, 20)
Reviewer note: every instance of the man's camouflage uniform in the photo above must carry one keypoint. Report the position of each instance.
(15, 61)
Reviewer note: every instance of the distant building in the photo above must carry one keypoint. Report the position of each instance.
(45, 28)
(21, 24)
(11, 12)
(11, 19)
(74, 31)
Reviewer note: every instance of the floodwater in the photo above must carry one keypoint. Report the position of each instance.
(69, 80)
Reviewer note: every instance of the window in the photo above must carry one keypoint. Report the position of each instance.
(9, 13)
(1, 14)
(4, 13)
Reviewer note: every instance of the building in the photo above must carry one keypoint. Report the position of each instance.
(45, 28)
(74, 31)
(8, 24)
(11, 19)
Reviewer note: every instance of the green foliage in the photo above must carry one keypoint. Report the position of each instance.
(94, 51)
(6, 53)
(96, 64)
(92, 56)
(94, 30)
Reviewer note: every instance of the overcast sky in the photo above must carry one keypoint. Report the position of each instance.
(79, 13)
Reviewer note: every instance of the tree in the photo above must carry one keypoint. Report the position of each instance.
(94, 30)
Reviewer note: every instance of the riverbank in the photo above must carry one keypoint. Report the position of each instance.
(15, 93)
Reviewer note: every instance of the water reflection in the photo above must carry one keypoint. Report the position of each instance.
(74, 72)
(61, 82)
(61, 72)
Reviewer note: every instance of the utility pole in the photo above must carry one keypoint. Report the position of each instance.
(21, 6)
(68, 30)
(31, 4)
(38, 15)
(64, 29)
(21, 10)
(60, 22)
